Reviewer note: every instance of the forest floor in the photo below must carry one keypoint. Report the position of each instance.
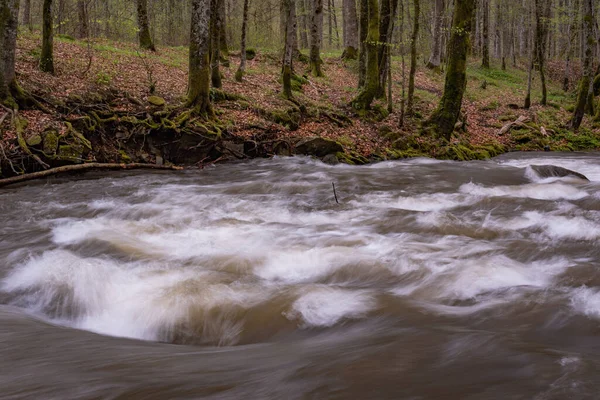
(493, 98)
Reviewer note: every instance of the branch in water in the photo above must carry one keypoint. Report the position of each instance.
(81, 167)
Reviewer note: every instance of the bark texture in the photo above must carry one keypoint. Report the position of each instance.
(47, 56)
(585, 85)
(369, 90)
(290, 33)
(199, 75)
(9, 14)
(413, 58)
(447, 113)
(239, 75)
(144, 26)
(350, 30)
(316, 36)
(435, 60)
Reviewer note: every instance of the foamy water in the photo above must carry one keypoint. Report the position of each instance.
(419, 256)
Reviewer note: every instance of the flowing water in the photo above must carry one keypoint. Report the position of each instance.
(428, 280)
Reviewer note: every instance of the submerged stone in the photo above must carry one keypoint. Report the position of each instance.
(551, 171)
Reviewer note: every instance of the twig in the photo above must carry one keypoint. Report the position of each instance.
(334, 193)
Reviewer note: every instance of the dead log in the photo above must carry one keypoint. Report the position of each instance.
(80, 168)
(521, 121)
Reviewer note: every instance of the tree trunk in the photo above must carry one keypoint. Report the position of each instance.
(27, 15)
(363, 31)
(223, 48)
(239, 75)
(369, 91)
(9, 19)
(215, 45)
(446, 115)
(586, 83)
(485, 48)
(144, 26)
(435, 60)
(83, 19)
(303, 24)
(199, 75)
(542, 14)
(47, 58)
(413, 59)
(386, 30)
(290, 33)
(316, 35)
(350, 30)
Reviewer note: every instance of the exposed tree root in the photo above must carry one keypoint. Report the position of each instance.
(80, 168)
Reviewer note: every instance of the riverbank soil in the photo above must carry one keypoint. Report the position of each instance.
(109, 102)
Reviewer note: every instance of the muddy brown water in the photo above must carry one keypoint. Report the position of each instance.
(430, 280)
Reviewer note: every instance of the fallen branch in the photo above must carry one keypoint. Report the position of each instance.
(521, 121)
(79, 168)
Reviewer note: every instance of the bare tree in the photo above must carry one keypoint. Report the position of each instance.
(199, 75)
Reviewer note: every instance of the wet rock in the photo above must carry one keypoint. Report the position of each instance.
(550, 171)
(235, 149)
(318, 146)
(330, 159)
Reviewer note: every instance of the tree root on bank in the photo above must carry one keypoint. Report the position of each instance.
(82, 167)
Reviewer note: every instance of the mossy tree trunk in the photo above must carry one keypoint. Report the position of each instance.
(199, 62)
(447, 113)
(586, 83)
(369, 90)
(303, 21)
(47, 57)
(145, 39)
(316, 35)
(413, 58)
(485, 48)
(9, 17)
(363, 32)
(350, 30)
(215, 48)
(288, 53)
(239, 75)
(386, 30)
(435, 59)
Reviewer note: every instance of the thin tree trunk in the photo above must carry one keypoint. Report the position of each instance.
(435, 60)
(386, 29)
(290, 33)
(239, 75)
(485, 49)
(363, 31)
(215, 49)
(144, 26)
(199, 75)
(402, 47)
(335, 25)
(316, 35)
(350, 30)
(446, 115)
(47, 57)
(413, 58)
(330, 23)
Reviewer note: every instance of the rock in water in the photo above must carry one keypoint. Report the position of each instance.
(549, 171)
(318, 146)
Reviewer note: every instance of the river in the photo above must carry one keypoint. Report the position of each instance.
(429, 280)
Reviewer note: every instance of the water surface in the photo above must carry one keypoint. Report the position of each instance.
(429, 280)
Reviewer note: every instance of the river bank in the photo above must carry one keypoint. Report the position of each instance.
(109, 103)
